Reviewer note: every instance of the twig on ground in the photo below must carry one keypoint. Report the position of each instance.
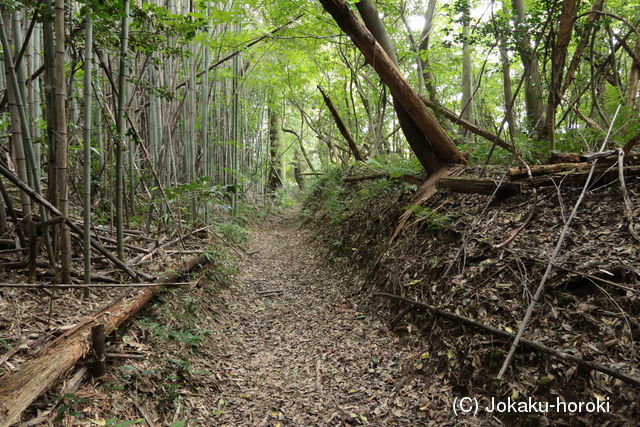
(625, 196)
(517, 231)
(531, 344)
(554, 255)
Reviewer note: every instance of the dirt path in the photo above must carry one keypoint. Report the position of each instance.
(305, 356)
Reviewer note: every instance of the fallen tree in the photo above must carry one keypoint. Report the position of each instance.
(580, 164)
(602, 175)
(444, 149)
(478, 186)
(19, 389)
(573, 174)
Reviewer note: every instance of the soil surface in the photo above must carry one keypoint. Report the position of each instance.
(297, 352)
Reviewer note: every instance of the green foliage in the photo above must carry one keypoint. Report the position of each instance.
(68, 405)
(233, 231)
(189, 338)
(430, 219)
(323, 198)
(395, 165)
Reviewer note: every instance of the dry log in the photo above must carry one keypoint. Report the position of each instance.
(601, 176)
(19, 389)
(559, 157)
(477, 186)
(99, 365)
(509, 336)
(517, 173)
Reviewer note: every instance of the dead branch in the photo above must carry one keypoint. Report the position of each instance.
(517, 231)
(509, 336)
(554, 255)
(625, 196)
(450, 115)
(631, 143)
(72, 225)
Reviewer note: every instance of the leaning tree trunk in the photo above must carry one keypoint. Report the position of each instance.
(441, 144)
(417, 139)
(342, 127)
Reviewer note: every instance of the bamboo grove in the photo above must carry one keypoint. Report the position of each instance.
(167, 114)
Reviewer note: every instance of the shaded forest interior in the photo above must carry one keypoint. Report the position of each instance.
(470, 167)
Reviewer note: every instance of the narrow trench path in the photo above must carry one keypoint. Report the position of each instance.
(305, 356)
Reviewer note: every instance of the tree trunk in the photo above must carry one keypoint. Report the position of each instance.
(88, 63)
(16, 114)
(423, 45)
(506, 80)
(582, 44)
(274, 179)
(467, 105)
(533, 80)
(634, 74)
(563, 37)
(417, 139)
(441, 144)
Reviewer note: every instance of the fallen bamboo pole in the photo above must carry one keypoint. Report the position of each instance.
(72, 225)
(90, 285)
(509, 336)
(19, 389)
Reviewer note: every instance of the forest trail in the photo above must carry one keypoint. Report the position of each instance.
(305, 356)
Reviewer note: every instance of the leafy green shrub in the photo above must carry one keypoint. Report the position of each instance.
(395, 165)
(323, 199)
